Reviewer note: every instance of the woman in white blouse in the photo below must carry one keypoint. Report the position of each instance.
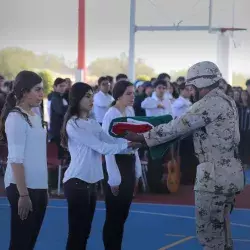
(124, 170)
(26, 174)
(86, 142)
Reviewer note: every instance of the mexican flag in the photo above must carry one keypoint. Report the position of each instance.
(141, 124)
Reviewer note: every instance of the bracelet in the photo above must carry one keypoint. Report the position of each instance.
(24, 195)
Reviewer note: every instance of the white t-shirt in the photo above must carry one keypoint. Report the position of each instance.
(27, 145)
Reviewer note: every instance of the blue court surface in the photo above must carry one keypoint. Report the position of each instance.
(149, 227)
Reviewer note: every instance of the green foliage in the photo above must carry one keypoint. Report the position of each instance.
(176, 73)
(113, 66)
(143, 78)
(239, 80)
(47, 81)
(13, 60)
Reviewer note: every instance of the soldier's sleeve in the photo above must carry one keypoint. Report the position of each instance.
(198, 116)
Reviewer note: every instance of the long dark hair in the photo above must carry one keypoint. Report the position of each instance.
(119, 89)
(76, 93)
(23, 83)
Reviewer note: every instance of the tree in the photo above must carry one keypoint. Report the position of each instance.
(239, 80)
(143, 78)
(114, 66)
(47, 81)
(13, 60)
(176, 73)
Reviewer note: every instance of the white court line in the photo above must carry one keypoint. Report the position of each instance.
(184, 236)
(145, 212)
(149, 204)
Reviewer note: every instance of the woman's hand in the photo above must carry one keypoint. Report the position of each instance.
(24, 207)
(131, 136)
(115, 190)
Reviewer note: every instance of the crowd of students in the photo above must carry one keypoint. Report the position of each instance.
(79, 119)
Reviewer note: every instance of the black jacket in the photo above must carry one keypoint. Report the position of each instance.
(139, 111)
(57, 112)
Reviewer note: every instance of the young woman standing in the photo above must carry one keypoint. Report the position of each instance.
(26, 178)
(124, 170)
(86, 142)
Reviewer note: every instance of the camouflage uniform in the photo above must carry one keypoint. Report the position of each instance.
(213, 120)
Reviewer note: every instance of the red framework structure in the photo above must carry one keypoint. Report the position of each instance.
(81, 66)
(223, 30)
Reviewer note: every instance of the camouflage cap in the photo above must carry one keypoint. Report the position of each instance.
(203, 74)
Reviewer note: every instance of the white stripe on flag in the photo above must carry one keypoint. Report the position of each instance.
(134, 121)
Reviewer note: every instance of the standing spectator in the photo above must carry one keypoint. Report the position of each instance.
(121, 77)
(2, 80)
(111, 81)
(69, 84)
(147, 92)
(248, 86)
(236, 96)
(182, 103)
(157, 104)
(102, 99)
(244, 125)
(164, 76)
(58, 109)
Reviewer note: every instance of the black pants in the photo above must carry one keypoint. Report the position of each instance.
(24, 233)
(81, 198)
(117, 207)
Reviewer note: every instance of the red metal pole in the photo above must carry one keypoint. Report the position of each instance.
(81, 41)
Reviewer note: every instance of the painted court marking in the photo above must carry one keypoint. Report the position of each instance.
(188, 238)
(144, 212)
(176, 243)
(183, 238)
(149, 204)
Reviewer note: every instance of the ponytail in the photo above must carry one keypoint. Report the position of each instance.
(9, 104)
(113, 103)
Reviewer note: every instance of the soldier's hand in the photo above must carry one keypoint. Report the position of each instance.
(131, 136)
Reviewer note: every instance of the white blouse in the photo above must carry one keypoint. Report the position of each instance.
(102, 103)
(112, 168)
(86, 144)
(180, 106)
(150, 104)
(27, 145)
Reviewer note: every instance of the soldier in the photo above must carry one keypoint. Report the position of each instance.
(213, 120)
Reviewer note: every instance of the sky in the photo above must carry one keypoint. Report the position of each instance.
(51, 26)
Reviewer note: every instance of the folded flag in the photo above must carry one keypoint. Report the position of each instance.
(141, 124)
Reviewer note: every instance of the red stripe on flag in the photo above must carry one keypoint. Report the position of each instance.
(121, 128)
